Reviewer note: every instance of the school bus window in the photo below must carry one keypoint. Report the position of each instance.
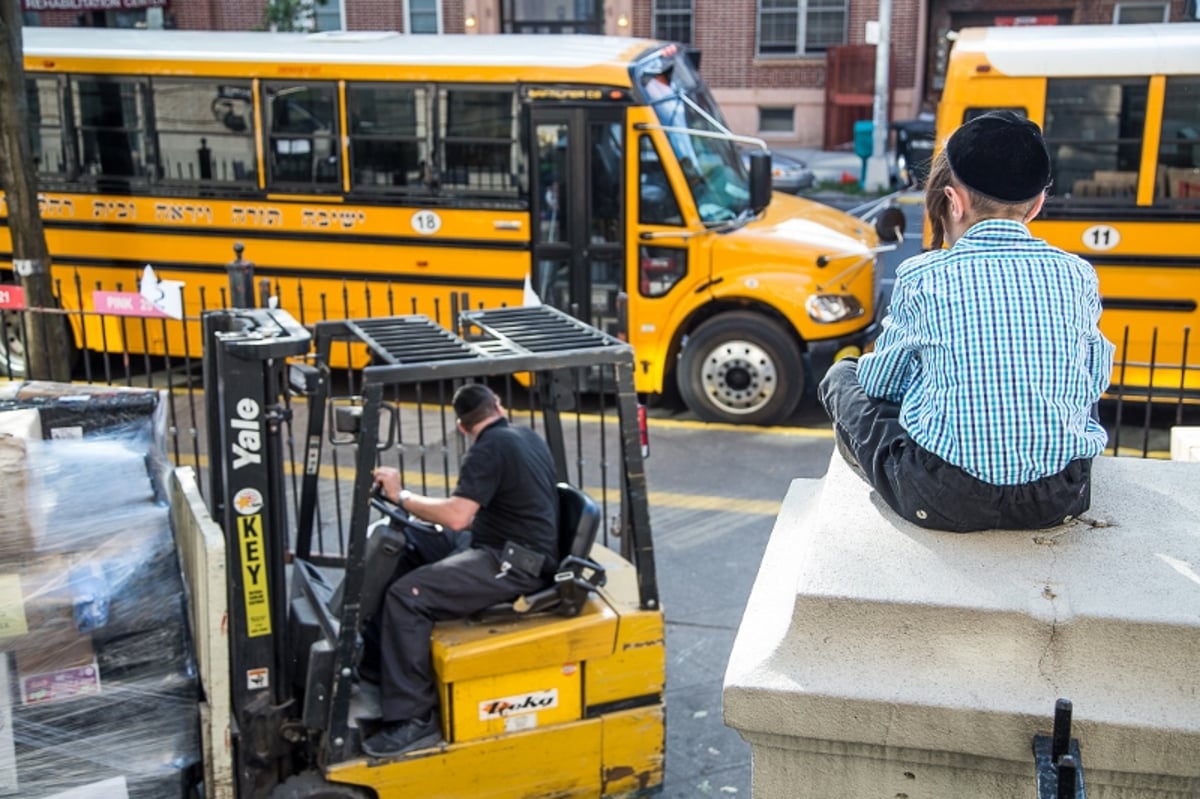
(303, 136)
(111, 125)
(606, 160)
(1179, 146)
(1094, 130)
(972, 113)
(659, 269)
(204, 132)
(48, 142)
(389, 137)
(656, 201)
(479, 140)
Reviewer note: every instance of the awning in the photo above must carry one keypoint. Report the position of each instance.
(90, 5)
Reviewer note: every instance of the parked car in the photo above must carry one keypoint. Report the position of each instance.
(787, 174)
(914, 150)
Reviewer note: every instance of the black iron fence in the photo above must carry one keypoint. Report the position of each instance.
(1138, 420)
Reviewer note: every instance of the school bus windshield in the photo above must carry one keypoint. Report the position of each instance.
(715, 175)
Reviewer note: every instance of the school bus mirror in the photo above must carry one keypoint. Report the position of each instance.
(890, 225)
(760, 180)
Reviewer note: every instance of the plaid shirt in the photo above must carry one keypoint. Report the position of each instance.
(992, 350)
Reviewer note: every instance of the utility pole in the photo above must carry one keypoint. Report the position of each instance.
(46, 348)
(877, 177)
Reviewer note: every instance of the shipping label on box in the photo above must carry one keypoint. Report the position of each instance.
(8, 752)
(57, 670)
(63, 684)
(12, 607)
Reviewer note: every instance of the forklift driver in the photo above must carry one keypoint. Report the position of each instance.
(506, 495)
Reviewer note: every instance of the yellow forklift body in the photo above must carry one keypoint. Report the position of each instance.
(619, 754)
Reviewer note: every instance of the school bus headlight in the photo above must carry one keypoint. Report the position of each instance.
(829, 308)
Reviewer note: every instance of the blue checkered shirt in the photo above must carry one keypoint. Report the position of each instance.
(992, 350)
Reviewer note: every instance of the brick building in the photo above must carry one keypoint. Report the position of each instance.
(795, 72)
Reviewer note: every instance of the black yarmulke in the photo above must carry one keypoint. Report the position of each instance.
(1000, 155)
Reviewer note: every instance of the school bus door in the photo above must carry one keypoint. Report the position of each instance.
(578, 211)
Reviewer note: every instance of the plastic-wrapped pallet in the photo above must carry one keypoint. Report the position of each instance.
(98, 687)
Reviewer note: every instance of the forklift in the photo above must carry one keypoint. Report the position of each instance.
(560, 693)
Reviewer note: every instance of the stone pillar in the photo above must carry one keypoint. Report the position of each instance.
(877, 659)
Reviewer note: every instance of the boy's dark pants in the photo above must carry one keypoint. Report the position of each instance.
(927, 490)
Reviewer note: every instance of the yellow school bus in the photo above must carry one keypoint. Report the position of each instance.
(1120, 109)
(370, 173)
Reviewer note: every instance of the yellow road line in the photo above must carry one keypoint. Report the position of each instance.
(690, 424)
(1136, 452)
(657, 499)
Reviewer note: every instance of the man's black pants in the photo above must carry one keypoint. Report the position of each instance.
(452, 588)
(927, 490)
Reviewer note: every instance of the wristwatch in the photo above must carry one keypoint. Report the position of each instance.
(404, 496)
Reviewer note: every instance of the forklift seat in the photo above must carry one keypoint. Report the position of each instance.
(577, 574)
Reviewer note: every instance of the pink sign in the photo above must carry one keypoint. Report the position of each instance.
(124, 303)
(12, 298)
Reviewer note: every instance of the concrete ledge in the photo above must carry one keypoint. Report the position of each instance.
(1185, 444)
(876, 658)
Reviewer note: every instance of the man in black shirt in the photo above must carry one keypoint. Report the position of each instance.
(506, 495)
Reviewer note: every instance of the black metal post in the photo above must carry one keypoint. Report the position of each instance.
(241, 279)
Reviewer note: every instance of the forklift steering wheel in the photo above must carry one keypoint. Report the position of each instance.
(399, 519)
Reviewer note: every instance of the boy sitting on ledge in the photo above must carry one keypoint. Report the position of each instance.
(975, 409)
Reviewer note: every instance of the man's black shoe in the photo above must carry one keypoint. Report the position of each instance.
(398, 737)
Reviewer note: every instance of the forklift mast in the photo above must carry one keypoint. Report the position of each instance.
(408, 350)
(245, 352)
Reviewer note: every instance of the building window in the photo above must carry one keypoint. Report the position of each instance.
(327, 16)
(800, 27)
(423, 16)
(1138, 13)
(776, 120)
(673, 20)
(562, 16)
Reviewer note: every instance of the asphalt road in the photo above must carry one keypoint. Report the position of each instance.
(708, 551)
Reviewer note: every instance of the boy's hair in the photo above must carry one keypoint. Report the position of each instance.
(473, 403)
(937, 204)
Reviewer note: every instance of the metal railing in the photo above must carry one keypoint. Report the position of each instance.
(1138, 420)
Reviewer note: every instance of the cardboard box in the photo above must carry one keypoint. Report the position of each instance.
(1183, 182)
(52, 674)
(16, 513)
(8, 751)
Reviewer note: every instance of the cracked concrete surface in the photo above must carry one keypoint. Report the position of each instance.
(871, 648)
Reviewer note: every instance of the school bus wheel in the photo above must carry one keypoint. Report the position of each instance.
(13, 360)
(741, 367)
(311, 785)
(14, 355)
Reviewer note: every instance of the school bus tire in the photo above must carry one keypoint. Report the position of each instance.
(311, 785)
(741, 367)
(13, 362)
